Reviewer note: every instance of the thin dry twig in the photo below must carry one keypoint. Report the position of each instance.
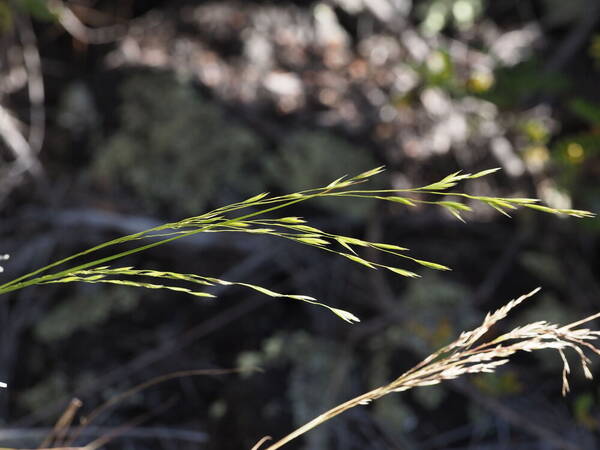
(76, 28)
(58, 433)
(35, 83)
(85, 422)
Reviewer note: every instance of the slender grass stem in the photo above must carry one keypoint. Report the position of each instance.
(16, 285)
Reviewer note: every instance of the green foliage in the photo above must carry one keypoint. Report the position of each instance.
(499, 384)
(584, 407)
(312, 363)
(39, 9)
(514, 84)
(546, 268)
(438, 70)
(559, 14)
(314, 158)
(53, 386)
(550, 308)
(594, 50)
(254, 216)
(437, 14)
(310, 379)
(577, 155)
(438, 310)
(150, 155)
(87, 308)
(585, 110)
(6, 17)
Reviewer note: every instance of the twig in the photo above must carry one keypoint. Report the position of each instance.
(169, 346)
(35, 84)
(579, 32)
(515, 418)
(25, 159)
(33, 434)
(141, 387)
(61, 428)
(83, 33)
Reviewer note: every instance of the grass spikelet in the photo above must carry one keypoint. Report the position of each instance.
(236, 218)
(403, 272)
(359, 260)
(369, 173)
(467, 356)
(483, 173)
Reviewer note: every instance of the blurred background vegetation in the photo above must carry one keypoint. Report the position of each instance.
(117, 116)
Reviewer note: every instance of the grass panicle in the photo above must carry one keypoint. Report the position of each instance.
(253, 216)
(468, 355)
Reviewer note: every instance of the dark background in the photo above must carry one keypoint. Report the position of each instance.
(152, 111)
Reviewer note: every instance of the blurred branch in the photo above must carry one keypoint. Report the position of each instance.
(169, 346)
(576, 38)
(107, 221)
(35, 434)
(25, 150)
(35, 83)
(514, 417)
(76, 28)
(25, 160)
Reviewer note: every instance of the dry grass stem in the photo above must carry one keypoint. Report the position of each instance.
(464, 356)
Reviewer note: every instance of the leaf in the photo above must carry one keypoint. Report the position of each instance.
(39, 9)
(359, 260)
(447, 182)
(354, 241)
(542, 208)
(396, 199)
(293, 228)
(307, 229)
(369, 173)
(498, 208)
(133, 284)
(587, 111)
(431, 265)
(256, 198)
(261, 289)
(345, 245)
(455, 205)
(579, 213)
(387, 246)
(238, 224)
(345, 315)
(312, 241)
(293, 220)
(222, 282)
(483, 173)
(522, 201)
(404, 273)
(502, 203)
(256, 230)
(304, 298)
(439, 186)
(336, 182)
(456, 214)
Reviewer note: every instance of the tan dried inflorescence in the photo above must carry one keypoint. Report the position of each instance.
(463, 356)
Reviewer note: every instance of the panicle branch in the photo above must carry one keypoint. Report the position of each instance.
(466, 356)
